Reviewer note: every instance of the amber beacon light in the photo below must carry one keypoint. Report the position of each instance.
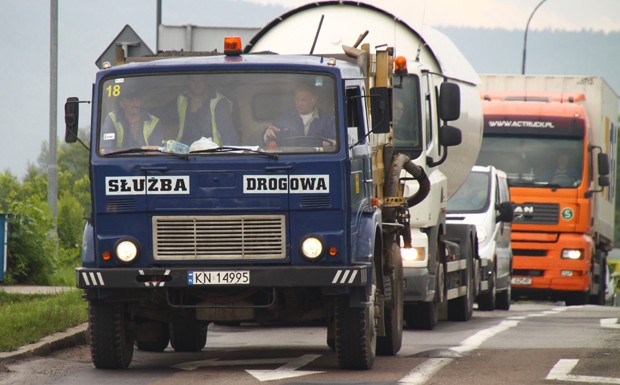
(232, 46)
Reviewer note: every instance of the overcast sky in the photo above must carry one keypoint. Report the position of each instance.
(87, 27)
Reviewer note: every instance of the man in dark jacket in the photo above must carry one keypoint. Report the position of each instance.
(305, 120)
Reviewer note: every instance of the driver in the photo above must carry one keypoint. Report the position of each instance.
(305, 120)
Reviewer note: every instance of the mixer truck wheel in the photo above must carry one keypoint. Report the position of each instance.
(390, 344)
(462, 308)
(111, 340)
(356, 333)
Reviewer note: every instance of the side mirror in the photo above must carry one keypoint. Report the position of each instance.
(603, 180)
(450, 136)
(449, 101)
(603, 165)
(380, 109)
(506, 212)
(72, 114)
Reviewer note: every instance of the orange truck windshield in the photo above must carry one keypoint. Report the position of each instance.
(535, 161)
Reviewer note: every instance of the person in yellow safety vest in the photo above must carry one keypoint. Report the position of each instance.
(129, 126)
(204, 113)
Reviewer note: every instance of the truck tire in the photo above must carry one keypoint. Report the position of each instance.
(188, 335)
(391, 343)
(462, 308)
(502, 299)
(425, 315)
(111, 340)
(356, 333)
(153, 336)
(598, 298)
(577, 298)
(486, 301)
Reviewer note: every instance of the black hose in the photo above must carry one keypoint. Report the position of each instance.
(399, 162)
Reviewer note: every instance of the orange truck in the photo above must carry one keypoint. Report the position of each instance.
(556, 138)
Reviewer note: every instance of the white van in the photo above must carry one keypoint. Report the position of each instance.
(484, 201)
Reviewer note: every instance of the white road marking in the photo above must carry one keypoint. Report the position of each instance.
(423, 372)
(474, 342)
(287, 370)
(611, 323)
(561, 372)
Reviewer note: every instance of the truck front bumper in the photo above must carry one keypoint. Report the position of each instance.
(418, 284)
(237, 276)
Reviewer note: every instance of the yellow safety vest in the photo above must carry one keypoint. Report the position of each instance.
(147, 129)
(182, 109)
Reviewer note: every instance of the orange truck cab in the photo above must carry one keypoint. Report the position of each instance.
(555, 136)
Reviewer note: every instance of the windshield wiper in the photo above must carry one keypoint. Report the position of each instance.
(144, 150)
(235, 149)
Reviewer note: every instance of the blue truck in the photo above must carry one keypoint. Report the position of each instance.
(243, 226)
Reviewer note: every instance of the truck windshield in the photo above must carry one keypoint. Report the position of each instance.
(406, 115)
(472, 196)
(535, 161)
(200, 112)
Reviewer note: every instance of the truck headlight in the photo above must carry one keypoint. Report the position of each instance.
(572, 254)
(410, 254)
(126, 250)
(312, 248)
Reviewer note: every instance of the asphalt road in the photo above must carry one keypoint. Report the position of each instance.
(533, 343)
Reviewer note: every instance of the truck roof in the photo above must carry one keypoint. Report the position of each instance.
(168, 63)
(532, 108)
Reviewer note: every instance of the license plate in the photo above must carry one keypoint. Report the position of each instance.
(232, 277)
(521, 281)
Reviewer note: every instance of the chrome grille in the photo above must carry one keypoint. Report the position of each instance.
(226, 237)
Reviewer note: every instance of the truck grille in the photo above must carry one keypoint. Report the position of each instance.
(536, 213)
(226, 237)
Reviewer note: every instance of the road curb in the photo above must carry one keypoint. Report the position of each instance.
(76, 335)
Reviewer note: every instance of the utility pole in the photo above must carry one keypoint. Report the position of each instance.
(525, 36)
(52, 167)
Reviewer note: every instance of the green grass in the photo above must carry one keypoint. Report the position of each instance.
(26, 318)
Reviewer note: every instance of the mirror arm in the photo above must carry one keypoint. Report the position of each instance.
(431, 163)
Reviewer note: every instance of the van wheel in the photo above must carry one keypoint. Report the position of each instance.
(502, 300)
(486, 300)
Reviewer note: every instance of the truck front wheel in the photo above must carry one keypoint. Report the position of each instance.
(390, 344)
(111, 340)
(356, 333)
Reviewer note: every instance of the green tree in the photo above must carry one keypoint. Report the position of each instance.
(32, 245)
